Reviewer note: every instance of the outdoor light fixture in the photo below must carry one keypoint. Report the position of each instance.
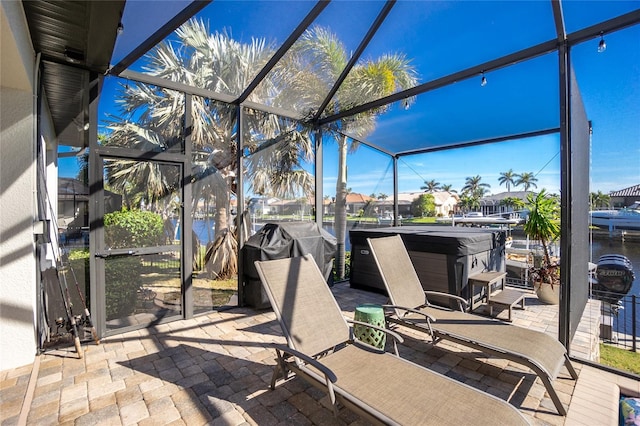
(80, 126)
(120, 28)
(73, 55)
(602, 46)
(483, 81)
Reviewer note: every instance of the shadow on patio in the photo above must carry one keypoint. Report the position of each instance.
(215, 369)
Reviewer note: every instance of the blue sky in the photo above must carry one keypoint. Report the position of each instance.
(431, 37)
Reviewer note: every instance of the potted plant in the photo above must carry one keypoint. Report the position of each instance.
(542, 225)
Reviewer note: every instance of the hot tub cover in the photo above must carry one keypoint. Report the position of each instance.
(457, 241)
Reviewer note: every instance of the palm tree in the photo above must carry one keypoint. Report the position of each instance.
(472, 191)
(512, 202)
(542, 225)
(527, 180)
(152, 120)
(599, 200)
(469, 202)
(447, 188)
(507, 178)
(313, 65)
(474, 186)
(430, 186)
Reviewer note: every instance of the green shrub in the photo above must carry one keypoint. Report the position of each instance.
(133, 229)
(347, 267)
(79, 263)
(122, 274)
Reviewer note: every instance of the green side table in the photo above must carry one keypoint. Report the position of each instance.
(371, 314)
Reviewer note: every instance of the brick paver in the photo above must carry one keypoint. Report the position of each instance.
(216, 369)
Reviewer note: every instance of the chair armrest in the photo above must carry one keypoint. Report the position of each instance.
(462, 304)
(412, 310)
(330, 375)
(393, 334)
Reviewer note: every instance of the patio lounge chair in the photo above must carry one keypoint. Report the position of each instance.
(381, 387)
(540, 352)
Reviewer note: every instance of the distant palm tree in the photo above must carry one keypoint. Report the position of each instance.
(507, 178)
(382, 196)
(474, 186)
(599, 200)
(468, 203)
(448, 188)
(430, 186)
(512, 202)
(527, 180)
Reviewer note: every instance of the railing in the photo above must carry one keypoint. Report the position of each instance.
(519, 283)
(619, 319)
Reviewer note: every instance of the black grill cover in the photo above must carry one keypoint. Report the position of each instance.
(280, 241)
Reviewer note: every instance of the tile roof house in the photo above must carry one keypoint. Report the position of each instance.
(446, 202)
(493, 204)
(625, 197)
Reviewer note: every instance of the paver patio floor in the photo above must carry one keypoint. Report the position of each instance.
(215, 369)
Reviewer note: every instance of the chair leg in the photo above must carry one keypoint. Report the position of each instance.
(569, 366)
(280, 367)
(554, 396)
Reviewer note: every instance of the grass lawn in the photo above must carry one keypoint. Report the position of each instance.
(419, 220)
(621, 359)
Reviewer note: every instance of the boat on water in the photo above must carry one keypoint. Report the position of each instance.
(625, 218)
(614, 277)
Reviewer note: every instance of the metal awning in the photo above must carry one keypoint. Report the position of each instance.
(74, 39)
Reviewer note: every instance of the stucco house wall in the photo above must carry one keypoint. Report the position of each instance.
(18, 269)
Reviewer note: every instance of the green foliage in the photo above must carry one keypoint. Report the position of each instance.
(469, 202)
(76, 254)
(513, 202)
(542, 225)
(430, 186)
(598, 200)
(424, 205)
(79, 263)
(122, 277)
(541, 222)
(419, 221)
(526, 180)
(133, 229)
(347, 267)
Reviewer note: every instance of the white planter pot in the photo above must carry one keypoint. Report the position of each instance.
(548, 295)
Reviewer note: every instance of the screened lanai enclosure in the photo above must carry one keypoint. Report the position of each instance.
(193, 124)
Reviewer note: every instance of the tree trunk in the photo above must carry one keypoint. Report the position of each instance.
(222, 219)
(340, 220)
